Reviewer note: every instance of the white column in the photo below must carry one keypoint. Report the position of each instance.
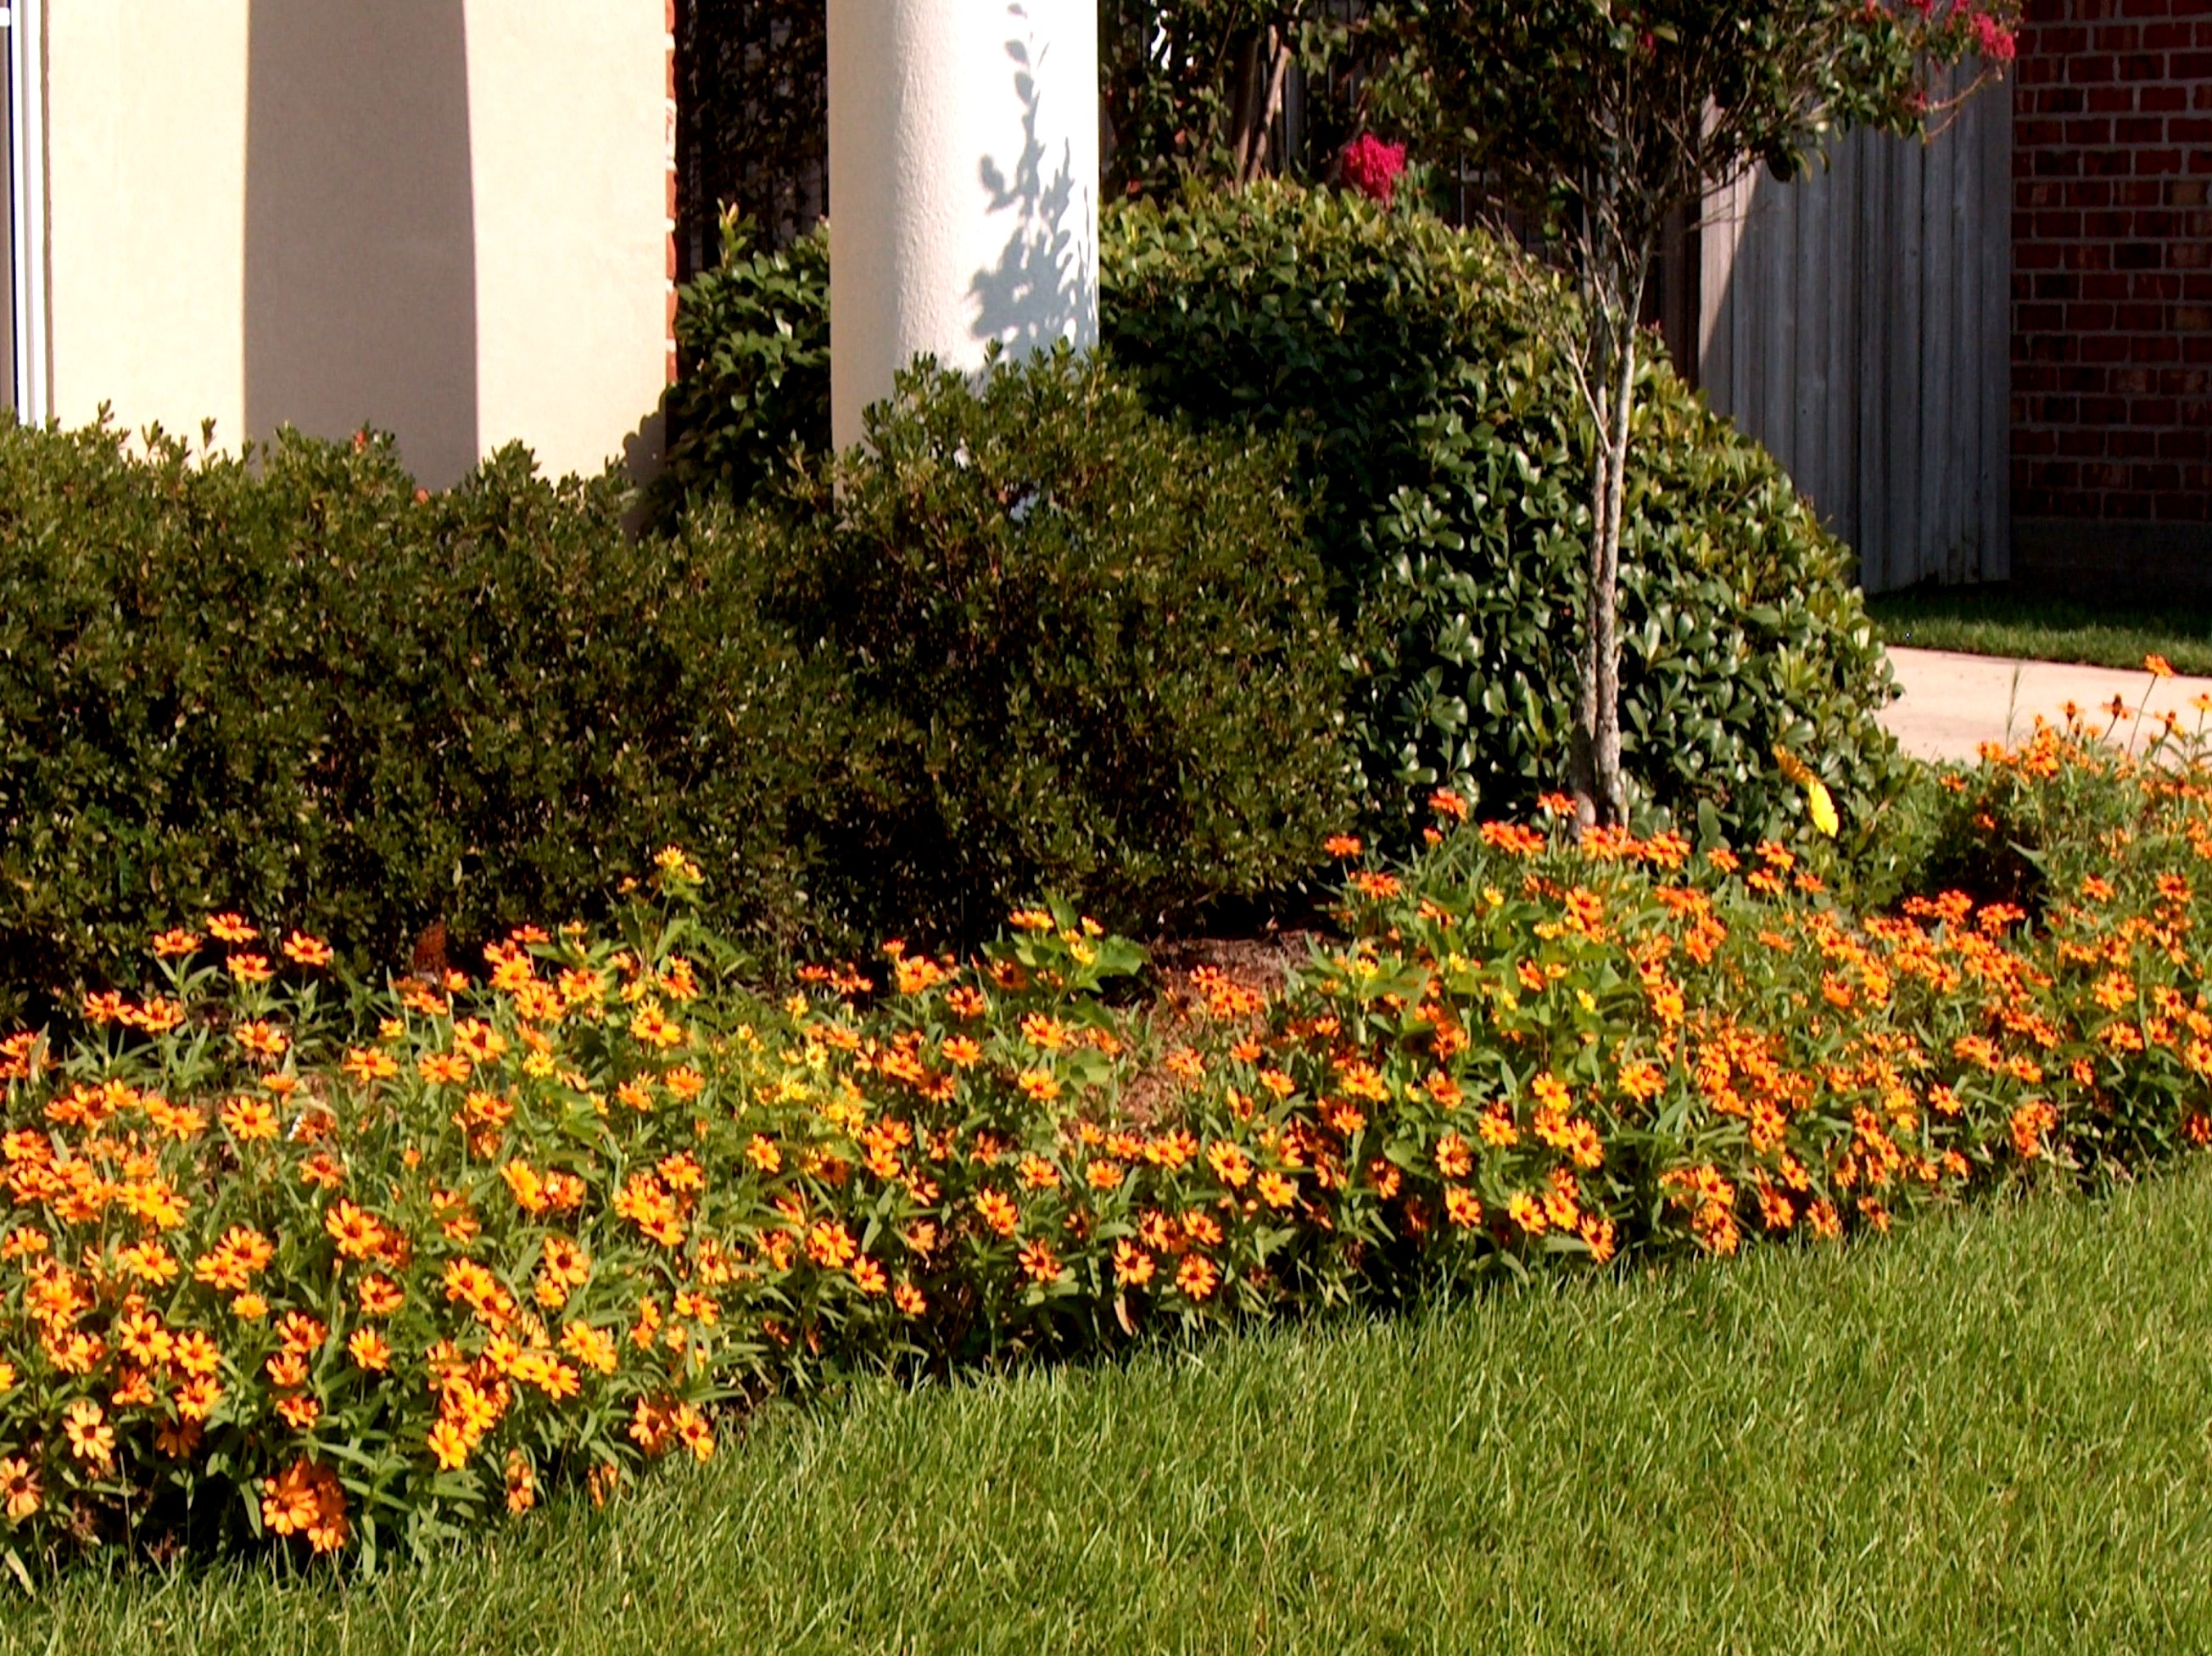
(964, 186)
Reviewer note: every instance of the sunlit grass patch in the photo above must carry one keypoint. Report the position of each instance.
(1978, 621)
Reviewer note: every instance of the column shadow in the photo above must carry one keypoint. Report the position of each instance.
(360, 292)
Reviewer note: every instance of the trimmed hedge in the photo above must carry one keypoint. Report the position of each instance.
(297, 683)
(1413, 365)
(752, 341)
(894, 697)
(1095, 652)
(1410, 364)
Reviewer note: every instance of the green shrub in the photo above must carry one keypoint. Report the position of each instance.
(1411, 363)
(1093, 652)
(298, 684)
(752, 341)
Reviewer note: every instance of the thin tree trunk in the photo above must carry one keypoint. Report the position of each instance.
(1599, 791)
(1262, 69)
(1605, 611)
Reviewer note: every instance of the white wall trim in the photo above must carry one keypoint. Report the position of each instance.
(27, 70)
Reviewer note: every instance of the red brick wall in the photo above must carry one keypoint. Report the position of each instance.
(2112, 262)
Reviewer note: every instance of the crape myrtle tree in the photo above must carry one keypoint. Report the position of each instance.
(1598, 119)
(1196, 88)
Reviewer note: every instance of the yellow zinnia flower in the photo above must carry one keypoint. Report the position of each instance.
(1822, 807)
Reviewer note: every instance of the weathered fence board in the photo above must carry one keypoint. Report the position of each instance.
(1858, 323)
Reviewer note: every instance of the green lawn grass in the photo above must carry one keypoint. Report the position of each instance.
(1995, 621)
(1992, 1434)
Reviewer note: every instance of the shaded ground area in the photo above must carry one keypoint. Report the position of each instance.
(1954, 702)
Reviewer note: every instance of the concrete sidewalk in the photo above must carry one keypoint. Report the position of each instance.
(1953, 703)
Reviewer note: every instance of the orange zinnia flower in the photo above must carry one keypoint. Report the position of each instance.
(90, 1438)
(448, 1444)
(357, 1233)
(591, 1347)
(250, 1121)
(1196, 1276)
(366, 1064)
(1039, 1262)
(998, 1211)
(1454, 1156)
(136, 1390)
(370, 1350)
(693, 1431)
(1133, 1266)
(197, 1398)
(20, 1491)
(1230, 1165)
(196, 1354)
(440, 1069)
(830, 1245)
(263, 1040)
(307, 951)
(521, 1482)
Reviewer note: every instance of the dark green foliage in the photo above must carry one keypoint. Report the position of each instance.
(299, 689)
(752, 119)
(752, 340)
(1411, 364)
(302, 688)
(1183, 88)
(1093, 650)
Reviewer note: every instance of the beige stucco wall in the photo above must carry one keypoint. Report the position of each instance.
(146, 153)
(446, 217)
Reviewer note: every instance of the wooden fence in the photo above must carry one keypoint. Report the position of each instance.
(1858, 323)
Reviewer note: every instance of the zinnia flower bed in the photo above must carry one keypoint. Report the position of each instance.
(351, 1269)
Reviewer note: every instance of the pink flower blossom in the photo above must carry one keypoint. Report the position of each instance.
(1372, 167)
(1992, 39)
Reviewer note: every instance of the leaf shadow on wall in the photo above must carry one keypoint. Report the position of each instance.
(1043, 281)
(360, 291)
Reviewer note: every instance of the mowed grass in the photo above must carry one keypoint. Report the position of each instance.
(1993, 1434)
(1996, 621)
